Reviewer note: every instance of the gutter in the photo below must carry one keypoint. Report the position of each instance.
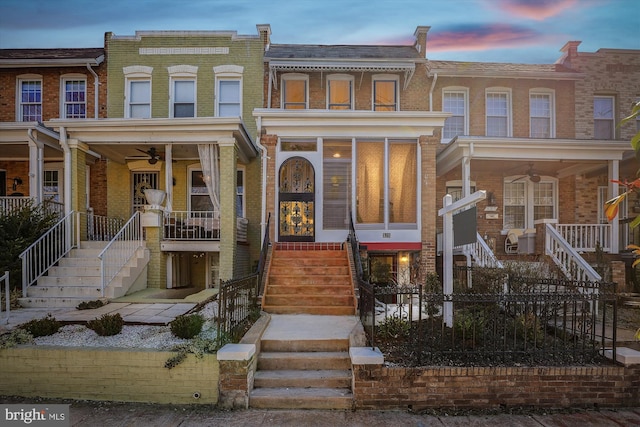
(263, 149)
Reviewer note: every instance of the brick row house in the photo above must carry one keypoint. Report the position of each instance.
(234, 129)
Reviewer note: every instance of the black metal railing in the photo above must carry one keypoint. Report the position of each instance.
(266, 242)
(238, 308)
(546, 322)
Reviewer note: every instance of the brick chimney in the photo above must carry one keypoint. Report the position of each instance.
(421, 39)
(265, 35)
(569, 51)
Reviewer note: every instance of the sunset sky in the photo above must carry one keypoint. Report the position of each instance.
(527, 31)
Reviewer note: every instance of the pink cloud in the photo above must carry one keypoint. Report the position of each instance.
(482, 37)
(538, 10)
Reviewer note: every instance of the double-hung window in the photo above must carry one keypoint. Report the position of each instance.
(240, 213)
(295, 92)
(541, 115)
(339, 92)
(454, 102)
(526, 201)
(183, 100)
(137, 92)
(498, 113)
(74, 98)
(30, 100)
(603, 117)
(385, 93)
(228, 98)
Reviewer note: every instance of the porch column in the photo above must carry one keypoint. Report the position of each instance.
(428, 213)
(466, 175)
(36, 171)
(228, 220)
(614, 190)
(168, 175)
(270, 142)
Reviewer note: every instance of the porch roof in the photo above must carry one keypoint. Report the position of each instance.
(592, 152)
(349, 124)
(14, 139)
(119, 139)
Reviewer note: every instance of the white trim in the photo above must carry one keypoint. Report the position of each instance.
(529, 202)
(228, 72)
(24, 78)
(613, 116)
(499, 91)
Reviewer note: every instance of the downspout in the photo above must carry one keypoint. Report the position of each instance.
(433, 86)
(268, 94)
(263, 149)
(96, 85)
(67, 170)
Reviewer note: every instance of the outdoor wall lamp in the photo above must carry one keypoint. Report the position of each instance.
(16, 181)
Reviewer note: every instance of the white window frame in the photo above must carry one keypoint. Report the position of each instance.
(611, 119)
(529, 193)
(457, 90)
(241, 192)
(59, 195)
(225, 73)
(341, 77)
(28, 78)
(190, 169)
(506, 92)
(550, 93)
(133, 74)
(182, 73)
(63, 94)
(385, 77)
(294, 76)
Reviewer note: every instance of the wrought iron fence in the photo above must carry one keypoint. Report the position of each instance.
(543, 322)
(238, 307)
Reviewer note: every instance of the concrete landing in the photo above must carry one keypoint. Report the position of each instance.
(291, 327)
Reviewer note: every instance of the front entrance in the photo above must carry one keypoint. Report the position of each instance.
(297, 201)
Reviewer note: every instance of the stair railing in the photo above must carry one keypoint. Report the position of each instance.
(567, 258)
(49, 249)
(482, 253)
(120, 250)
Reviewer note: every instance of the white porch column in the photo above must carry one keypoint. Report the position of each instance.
(466, 176)
(168, 175)
(36, 171)
(614, 190)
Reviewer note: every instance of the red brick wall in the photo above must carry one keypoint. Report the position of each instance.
(16, 169)
(378, 387)
(98, 191)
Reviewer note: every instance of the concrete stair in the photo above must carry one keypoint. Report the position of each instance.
(303, 374)
(315, 280)
(77, 278)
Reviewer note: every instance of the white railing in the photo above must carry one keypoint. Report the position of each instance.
(585, 237)
(191, 225)
(120, 250)
(567, 258)
(48, 249)
(481, 253)
(102, 228)
(7, 296)
(12, 203)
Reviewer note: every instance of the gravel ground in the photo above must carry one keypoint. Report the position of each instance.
(132, 336)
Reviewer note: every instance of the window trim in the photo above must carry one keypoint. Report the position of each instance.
(24, 78)
(509, 114)
(385, 77)
(341, 77)
(552, 110)
(136, 73)
(63, 91)
(465, 93)
(529, 193)
(182, 73)
(294, 76)
(612, 136)
(228, 73)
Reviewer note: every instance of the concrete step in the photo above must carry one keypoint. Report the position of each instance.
(304, 379)
(79, 262)
(279, 253)
(305, 345)
(91, 292)
(301, 398)
(70, 281)
(85, 253)
(310, 262)
(276, 289)
(319, 310)
(303, 360)
(52, 302)
(66, 271)
(93, 244)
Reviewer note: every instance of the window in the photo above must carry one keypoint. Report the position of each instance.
(385, 93)
(526, 201)
(336, 184)
(137, 91)
(199, 199)
(240, 193)
(403, 170)
(294, 92)
(541, 115)
(228, 90)
(30, 100)
(603, 117)
(51, 185)
(340, 92)
(183, 98)
(74, 98)
(497, 110)
(454, 102)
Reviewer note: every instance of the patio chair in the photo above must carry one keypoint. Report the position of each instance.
(511, 242)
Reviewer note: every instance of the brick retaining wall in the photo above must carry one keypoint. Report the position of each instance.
(379, 387)
(107, 374)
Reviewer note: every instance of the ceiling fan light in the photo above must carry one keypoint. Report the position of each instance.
(535, 178)
(153, 160)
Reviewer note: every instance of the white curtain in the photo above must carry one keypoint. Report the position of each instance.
(211, 173)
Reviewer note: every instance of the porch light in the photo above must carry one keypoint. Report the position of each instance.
(16, 181)
(336, 155)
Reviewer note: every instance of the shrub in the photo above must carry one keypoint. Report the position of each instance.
(42, 327)
(187, 326)
(15, 337)
(198, 346)
(394, 327)
(14, 294)
(107, 325)
(88, 305)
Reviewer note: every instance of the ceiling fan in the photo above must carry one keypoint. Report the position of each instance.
(153, 154)
(531, 173)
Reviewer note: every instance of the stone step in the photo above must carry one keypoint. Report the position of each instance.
(301, 398)
(85, 253)
(66, 271)
(319, 310)
(70, 281)
(304, 379)
(303, 360)
(309, 280)
(296, 270)
(54, 302)
(308, 300)
(305, 345)
(92, 292)
(275, 289)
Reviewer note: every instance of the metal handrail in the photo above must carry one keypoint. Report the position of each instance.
(48, 250)
(567, 258)
(266, 242)
(120, 250)
(7, 295)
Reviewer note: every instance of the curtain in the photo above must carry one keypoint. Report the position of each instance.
(211, 173)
